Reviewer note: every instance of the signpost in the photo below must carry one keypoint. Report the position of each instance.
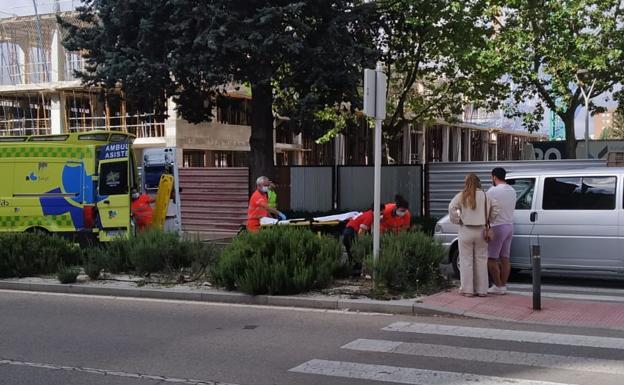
(375, 84)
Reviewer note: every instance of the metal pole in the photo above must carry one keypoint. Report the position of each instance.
(377, 183)
(536, 262)
(587, 96)
(586, 128)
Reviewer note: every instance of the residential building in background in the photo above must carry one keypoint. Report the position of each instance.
(602, 121)
(39, 94)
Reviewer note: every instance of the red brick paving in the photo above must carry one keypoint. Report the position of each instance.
(515, 307)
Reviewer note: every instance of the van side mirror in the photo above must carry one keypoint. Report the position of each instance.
(533, 217)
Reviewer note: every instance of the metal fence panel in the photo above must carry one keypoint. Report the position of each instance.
(312, 188)
(355, 186)
(444, 180)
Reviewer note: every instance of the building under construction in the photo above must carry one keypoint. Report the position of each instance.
(39, 94)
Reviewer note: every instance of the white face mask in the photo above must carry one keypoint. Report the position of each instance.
(135, 195)
(264, 189)
(400, 213)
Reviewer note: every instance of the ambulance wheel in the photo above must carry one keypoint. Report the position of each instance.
(37, 230)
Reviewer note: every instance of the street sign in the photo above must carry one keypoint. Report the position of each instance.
(375, 85)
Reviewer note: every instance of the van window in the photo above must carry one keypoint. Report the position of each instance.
(525, 187)
(579, 193)
(113, 178)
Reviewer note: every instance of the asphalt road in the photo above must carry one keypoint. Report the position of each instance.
(60, 339)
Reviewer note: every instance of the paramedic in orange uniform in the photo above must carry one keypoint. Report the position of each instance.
(141, 209)
(396, 216)
(361, 223)
(259, 205)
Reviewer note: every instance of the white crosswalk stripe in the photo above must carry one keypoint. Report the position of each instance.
(508, 335)
(404, 375)
(574, 296)
(490, 356)
(599, 294)
(572, 365)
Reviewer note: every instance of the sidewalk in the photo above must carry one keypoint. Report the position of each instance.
(514, 307)
(510, 307)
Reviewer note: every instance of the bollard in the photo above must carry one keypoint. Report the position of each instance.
(536, 262)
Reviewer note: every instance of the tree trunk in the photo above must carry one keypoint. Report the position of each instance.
(261, 140)
(570, 136)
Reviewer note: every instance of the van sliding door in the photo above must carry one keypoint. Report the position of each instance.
(577, 223)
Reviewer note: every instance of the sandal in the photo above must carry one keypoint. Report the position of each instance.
(468, 295)
(482, 295)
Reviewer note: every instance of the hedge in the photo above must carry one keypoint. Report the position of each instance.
(279, 260)
(28, 254)
(408, 261)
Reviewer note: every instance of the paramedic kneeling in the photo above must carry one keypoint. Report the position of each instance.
(259, 205)
(141, 209)
(396, 216)
(361, 223)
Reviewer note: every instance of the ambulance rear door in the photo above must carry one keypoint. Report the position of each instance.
(114, 182)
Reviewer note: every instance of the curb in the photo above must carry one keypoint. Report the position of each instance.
(407, 307)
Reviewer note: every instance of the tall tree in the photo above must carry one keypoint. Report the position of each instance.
(312, 50)
(432, 51)
(545, 47)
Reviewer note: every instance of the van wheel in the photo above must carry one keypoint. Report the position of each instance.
(454, 258)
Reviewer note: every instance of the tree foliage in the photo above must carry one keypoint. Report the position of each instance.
(308, 53)
(541, 46)
(433, 53)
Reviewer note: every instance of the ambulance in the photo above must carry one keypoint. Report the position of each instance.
(76, 185)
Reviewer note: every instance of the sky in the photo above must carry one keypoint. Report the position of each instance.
(25, 7)
(9, 8)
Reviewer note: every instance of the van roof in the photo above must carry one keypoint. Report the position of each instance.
(89, 137)
(604, 170)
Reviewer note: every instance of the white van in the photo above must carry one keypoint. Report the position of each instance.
(576, 216)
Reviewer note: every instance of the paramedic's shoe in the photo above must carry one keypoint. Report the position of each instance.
(497, 290)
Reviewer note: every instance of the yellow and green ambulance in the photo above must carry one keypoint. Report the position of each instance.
(76, 184)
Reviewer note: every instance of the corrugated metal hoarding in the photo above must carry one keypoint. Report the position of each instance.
(312, 188)
(355, 186)
(444, 180)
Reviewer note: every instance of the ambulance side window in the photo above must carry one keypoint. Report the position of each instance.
(113, 178)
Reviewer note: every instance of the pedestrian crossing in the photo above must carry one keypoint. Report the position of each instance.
(598, 294)
(508, 335)
(537, 358)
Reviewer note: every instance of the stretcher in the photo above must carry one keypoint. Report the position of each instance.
(162, 201)
(331, 224)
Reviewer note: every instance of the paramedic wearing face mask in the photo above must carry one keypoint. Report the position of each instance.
(141, 209)
(259, 205)
(396, 216)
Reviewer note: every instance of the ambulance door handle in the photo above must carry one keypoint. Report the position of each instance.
(107, 202)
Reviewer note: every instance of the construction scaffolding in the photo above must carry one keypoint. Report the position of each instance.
(39, 90)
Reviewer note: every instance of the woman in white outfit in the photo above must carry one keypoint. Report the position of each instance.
(472, 210)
